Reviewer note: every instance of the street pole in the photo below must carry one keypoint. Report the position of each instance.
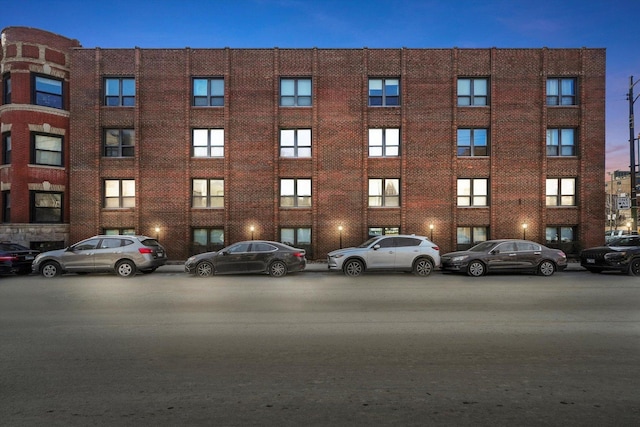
(632, 156)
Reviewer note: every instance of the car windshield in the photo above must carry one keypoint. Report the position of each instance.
(483, 247)
(368, 242)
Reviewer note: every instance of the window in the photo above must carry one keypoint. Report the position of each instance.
(473, 142)
(561, 91)
(563, 238)
(119, 92)
(295, 142)
(6, 148)
(383, 231)
(295, 92)
(208, 143)
(384, 92)
(384, 142)
(295, 193)
(47, 150)
(47, 92)
(296, 236)
(208, 92)
(473, 92)
(208, 193)
(6, 206)
(473, 192)
(119, 231)
(6, 89)
(561, 192)
(470, 236)
(207, 239)
(560, 142)
(119, 142)
(119, 193)
(384, 192)
(46, 207)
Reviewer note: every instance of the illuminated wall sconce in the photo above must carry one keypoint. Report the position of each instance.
(431, 231)
(524, 230)
(340, 228)
(252, 229)
(157, 233)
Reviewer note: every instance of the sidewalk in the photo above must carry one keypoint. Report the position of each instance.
(321, 267)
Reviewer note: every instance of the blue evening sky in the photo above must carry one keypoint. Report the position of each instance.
(610, 24)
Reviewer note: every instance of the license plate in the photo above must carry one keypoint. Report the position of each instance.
(29, 257)
(591, 261)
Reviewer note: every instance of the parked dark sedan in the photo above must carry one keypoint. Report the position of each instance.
(254, 256)
(15, 258)
(621, 254)
(505, 255)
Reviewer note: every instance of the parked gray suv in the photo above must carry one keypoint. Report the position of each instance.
(124, 255)
(400, 252)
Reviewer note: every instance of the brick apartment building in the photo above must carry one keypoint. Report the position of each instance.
(316, 147)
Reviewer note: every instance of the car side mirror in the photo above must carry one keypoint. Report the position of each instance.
(225, 253)
(495, 251)
(376, 247)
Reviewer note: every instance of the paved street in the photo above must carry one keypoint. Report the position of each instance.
(320, 349)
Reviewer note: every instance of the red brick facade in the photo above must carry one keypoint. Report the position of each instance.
(428, 168)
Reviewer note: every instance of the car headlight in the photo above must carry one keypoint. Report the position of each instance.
(459, 258)
(191, 259)
(337, 256)
(615, 255)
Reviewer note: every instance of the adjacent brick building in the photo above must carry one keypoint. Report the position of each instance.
(322, 147)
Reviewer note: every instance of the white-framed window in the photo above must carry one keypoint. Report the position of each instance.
(207, 193)
(295, 193)
(384, 192)
(295, 92)
(119, 193)
(208, 143)
(473, 92)
(473, 142)
(561, 192)
(119, 91)
(473, 192)
(561, 91)
(295, 142)
(208, 92)
(384, 142)
(561, 142)
(384, 92)
(119, 142)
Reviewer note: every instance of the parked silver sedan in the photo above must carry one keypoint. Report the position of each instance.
(124, 255)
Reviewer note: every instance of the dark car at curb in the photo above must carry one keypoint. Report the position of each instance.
(15, 258)
(123, 255)
(621, 254)
(253, 256)
(505, 255)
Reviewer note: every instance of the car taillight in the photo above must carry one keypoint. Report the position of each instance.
(145, 250)
(436, 248)
(298, 254)
(8, 258)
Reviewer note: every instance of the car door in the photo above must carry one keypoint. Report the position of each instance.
(259, 255)
(382, 254)
(528, 255)
(407, 249)
(80, 257)
(502, 257)
(232, 259)
(108, 252)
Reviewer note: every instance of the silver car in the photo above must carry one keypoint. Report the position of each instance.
(400, 253)
(124, 255)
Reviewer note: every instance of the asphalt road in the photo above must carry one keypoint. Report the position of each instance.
(320, 349)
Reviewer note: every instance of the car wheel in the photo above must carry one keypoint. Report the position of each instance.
(546, 268)
(204, 269)
(634, 267)
(476, 269)
(422, 267)
(126, 269)
(277, 269)
(50, 269)
(353, 268)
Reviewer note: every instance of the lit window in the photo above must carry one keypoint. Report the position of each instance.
(208, 193)
(119, 193)
(561, 192)
(473, 192)
(295, 193)
(384, 192)
(384, 142)
(208, 143)
(295, 142)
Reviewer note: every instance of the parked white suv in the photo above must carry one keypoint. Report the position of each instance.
(397, 252)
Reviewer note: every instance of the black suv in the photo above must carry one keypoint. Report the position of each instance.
(620, 254)
(15, 258)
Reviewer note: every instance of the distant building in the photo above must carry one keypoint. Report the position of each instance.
(205, 147)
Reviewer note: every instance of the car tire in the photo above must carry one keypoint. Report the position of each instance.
(126, 269)
(353, 268)
(546, 268)
(204, 269)
(50, 269)
(634, 267)
(277, 269)
(476, 269)
(422, 267)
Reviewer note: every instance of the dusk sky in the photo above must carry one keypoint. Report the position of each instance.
(610, 24)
